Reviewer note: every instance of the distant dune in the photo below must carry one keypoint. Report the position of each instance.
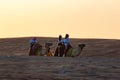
(100, 60)
(94, 47)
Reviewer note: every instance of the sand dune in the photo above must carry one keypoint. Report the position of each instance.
(94, 47)
(100, 60)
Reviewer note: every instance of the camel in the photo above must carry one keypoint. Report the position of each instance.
(80, 48)
(35, 50)
(47, 51)
(61, 50)
(72, 53)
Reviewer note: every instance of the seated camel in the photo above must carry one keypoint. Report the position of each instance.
(46, 51)
(61, 50)
(35, 50)
(80, 48)
(74, 53)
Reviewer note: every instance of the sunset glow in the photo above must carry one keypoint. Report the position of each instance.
(49, 18)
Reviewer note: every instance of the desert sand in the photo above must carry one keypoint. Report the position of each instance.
(100, 60)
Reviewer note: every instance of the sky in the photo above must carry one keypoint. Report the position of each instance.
(50, 18)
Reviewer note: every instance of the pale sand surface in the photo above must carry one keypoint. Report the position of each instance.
(100, 60)
(58, 68)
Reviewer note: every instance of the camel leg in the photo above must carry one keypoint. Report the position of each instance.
(59, 54)
(56, 52)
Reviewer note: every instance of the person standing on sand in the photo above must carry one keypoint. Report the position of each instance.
(32, 41)
(66, 43)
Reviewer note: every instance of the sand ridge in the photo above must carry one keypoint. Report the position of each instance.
(94, 47)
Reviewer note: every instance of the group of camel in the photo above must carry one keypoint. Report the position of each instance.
(60, 51)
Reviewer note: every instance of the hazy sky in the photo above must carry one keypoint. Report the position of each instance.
(79, 18)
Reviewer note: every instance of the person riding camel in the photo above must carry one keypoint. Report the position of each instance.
(32, 41)
(60, 47)
(60, 41)
(66, 43)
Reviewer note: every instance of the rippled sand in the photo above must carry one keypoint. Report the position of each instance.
(100, 60)
(59, 68)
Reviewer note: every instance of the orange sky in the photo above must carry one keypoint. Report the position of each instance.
(79, 18)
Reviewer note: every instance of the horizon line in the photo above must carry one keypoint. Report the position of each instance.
(55, 37)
